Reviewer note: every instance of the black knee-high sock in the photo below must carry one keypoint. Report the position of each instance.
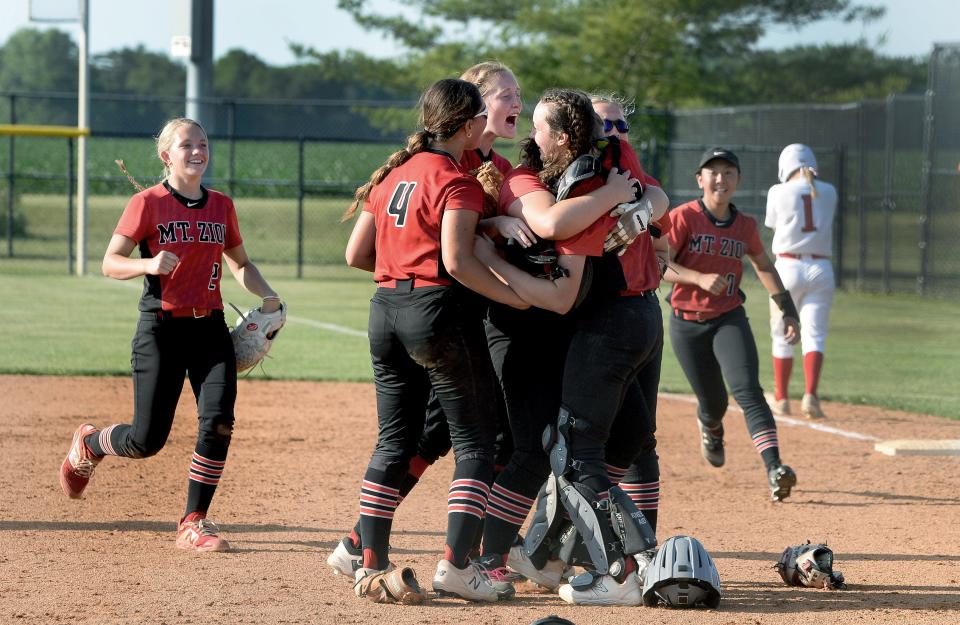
(768, 445)
(418, 466)
(466, 505)
(642, 484)
(206, 467)
(104, 442)
(510, 501)
(379, 496)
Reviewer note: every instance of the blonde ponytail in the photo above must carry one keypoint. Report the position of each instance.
(808, 174)
(491, 179)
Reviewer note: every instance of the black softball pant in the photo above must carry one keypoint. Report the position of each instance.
(528, 349)
(618, 342)
(421, 338)
(164, 351)
(718, 350)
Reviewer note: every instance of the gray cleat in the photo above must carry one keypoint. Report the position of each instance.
(711, 445)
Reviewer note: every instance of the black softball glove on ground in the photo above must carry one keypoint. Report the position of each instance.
(809, 565)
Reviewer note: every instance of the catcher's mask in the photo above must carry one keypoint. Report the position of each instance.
(682, 575)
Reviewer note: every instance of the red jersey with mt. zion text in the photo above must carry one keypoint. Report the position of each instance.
(197, 231)
(704, 244)
(639, 266)
(408, 206)
(472, 159)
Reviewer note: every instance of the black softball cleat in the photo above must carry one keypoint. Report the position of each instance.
(782, 479)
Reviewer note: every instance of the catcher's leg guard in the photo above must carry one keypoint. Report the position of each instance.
(581, 502)
(572, 550)
(543, 535)
(544, 528)
(584, 507)
(629, 524)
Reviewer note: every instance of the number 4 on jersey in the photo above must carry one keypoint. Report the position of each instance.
(399, 201)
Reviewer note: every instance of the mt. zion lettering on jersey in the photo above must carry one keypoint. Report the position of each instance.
(704, 244)
(178, 232)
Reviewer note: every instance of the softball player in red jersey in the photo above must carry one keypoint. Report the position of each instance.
(800, 210)
(641, 480)
(501, 94)
(416, 232)
(184, 232)
(614, 336)
(529, 349)
(709, 329)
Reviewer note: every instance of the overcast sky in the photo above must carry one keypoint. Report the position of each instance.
(910, 28)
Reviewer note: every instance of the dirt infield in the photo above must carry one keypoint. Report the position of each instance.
(290, 492)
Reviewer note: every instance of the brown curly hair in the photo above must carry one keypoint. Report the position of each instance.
(570, 112)
(445, 107)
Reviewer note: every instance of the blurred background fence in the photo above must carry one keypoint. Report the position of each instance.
(292, 166)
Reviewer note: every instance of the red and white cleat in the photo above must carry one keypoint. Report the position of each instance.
(78, 466)
(198, 533)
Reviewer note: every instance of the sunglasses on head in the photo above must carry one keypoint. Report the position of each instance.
(482, 113)
(621, 125)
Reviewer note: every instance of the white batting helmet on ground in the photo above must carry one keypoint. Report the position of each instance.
(682, 575)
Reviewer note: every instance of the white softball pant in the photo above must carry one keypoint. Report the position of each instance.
(811, 284)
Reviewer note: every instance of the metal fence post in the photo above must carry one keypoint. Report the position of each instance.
(861, 210)
(232, 134)
(10, 177)
(926, 170)
(70, 191)
(841, 156)
(887, 204)
(300, 142)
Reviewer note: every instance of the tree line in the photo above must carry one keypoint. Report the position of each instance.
(662, 53)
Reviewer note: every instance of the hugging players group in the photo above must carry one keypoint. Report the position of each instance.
(516, 320)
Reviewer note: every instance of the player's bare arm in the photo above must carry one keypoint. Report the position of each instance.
(117, 263)
(361, 248)
(554, 220)
(508, 227)
(678, 274)
(770, 279)
(457, 234)
(249, 277)
(554, 295)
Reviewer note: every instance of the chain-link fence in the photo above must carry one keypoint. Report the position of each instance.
(293, 165)
(895, 162)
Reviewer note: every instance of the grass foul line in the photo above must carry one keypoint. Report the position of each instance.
(788, 421)
(332, 327)
(327, 326)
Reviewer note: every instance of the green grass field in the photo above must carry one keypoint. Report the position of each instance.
(885, 350)
(269, 227)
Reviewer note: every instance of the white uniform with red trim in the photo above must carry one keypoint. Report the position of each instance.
(802, 242)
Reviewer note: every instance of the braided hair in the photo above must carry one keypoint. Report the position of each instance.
(445, 107)
(570, 112)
